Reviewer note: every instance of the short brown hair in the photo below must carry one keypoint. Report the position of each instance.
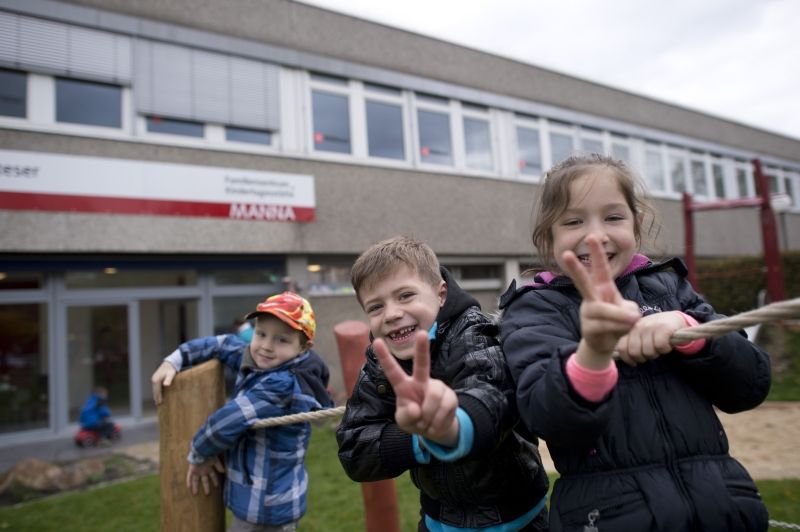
(382, 259)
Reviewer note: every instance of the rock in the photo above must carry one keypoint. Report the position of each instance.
(37, 475)
(33, 474)
(81, 473)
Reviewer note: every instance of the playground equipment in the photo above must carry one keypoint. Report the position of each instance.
(772, 257)
(193, 396)
(380, 498)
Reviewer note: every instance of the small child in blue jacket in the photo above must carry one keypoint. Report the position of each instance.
(95, 414)
(278, 374)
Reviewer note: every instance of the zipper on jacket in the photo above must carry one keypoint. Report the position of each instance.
(672, 465)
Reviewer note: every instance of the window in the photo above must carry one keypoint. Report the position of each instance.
(530, 151)
(86, 102)
(478, 144)
(654, 169)
(273, 276)
(173, 126)
(591, 141)
(718, 174)
(13, 88)
(620, 149)
(744, 181)
(477, 276)
(385, 130)
(24, 372)
(205, 87)
(329, 275)
(560, 146)
(772, 179)
(435, 146)
(331, 115)
(252, 136)
(20, 280)
(677, 172)
(789, 189)
(113, 277)
(699, 177)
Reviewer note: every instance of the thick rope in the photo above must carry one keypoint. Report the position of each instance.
(302, 417)
(775, 311)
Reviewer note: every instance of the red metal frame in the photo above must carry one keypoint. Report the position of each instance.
(769, 235)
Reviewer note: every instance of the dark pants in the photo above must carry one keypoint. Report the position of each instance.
(539, 524)
(105, 428)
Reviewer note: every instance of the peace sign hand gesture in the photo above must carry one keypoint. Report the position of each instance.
(605, 315)
(425, 406)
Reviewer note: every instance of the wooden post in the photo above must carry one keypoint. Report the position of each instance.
(381, 510)
(188, 401)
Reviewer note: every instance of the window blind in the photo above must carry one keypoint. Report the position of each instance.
(188, 83)
(39, 45)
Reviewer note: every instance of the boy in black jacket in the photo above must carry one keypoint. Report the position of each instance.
(434, 397)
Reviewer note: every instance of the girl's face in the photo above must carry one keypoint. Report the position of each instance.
(596, 206)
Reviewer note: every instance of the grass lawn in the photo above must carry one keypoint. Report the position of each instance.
(334, 505)
(783, 345)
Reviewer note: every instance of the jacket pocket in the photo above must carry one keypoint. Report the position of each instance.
(747, 501)
(624, 512)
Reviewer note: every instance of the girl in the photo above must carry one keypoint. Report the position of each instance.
(636, 440)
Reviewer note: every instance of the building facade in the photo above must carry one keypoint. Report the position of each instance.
(164, 166)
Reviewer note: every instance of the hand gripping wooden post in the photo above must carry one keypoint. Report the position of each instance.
(380, 498)
(188, 401)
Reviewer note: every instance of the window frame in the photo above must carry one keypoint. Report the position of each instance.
(400, 100)
(535, 124)
(339, 87)
(466, 111)
(559, 128)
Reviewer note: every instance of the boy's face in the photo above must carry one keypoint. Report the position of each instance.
(274, 342)
(399, 306)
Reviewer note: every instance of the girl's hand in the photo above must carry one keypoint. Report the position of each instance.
(205, 473)
(650, 337)
(162, 377)
(605, 315)
(425, 406)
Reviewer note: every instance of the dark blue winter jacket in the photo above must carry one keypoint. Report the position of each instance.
(653, 456)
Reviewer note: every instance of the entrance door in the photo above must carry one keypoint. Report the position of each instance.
(98, 356)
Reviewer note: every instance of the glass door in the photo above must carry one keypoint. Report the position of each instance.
(164, 325)
(24, 367)
(98, 356)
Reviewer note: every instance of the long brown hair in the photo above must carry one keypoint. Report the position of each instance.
(553, 199)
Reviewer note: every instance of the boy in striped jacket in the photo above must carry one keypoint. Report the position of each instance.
(278, 374)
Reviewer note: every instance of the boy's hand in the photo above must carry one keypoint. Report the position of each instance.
(205, 473)
(425, 406)
(162, 377)
(605, 315)
(650, 337)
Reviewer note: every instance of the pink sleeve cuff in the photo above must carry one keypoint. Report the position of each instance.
(694, 346)
(592, 384)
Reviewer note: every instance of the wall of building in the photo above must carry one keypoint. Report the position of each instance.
(308, 28)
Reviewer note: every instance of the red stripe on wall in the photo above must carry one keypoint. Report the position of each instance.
(150, 207)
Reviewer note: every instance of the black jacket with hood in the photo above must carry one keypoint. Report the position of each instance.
(653, 455)
(501, 478)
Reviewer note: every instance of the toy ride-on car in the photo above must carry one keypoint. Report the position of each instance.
(90, 438)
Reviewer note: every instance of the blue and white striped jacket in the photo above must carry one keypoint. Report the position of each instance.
(266, 480)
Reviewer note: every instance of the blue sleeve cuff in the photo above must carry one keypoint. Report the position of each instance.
(466, 437)
(422, 455)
